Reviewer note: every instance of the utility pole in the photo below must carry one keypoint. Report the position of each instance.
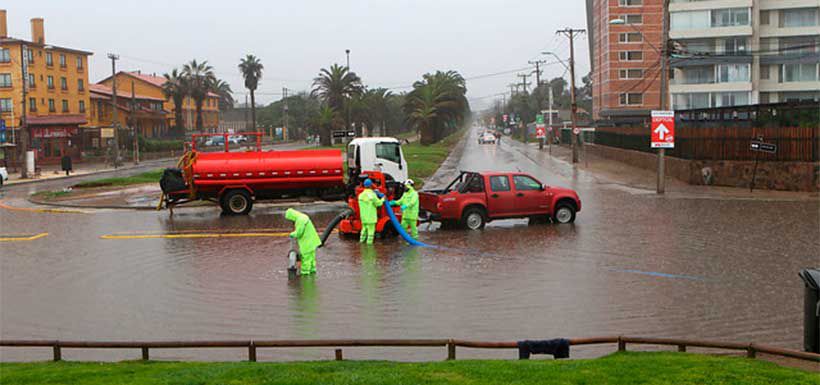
(285, 108)
(347, 54)
(134, 126)
(661, 188)
(575, 138)
(116, 152)
(551, 130)
(22, 141)
(524, 80)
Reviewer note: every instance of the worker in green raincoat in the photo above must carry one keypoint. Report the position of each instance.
(305, 234)
(409, 203)
(369, 203)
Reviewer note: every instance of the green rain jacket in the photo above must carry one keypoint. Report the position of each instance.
(368, 205)
(410, 201)
(304, 232)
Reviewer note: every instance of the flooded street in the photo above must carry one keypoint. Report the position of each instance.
(633, 263)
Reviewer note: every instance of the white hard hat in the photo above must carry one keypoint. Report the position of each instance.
(409, 182)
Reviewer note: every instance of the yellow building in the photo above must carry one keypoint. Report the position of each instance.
(150, 85)
(135, 112)
(57, 95)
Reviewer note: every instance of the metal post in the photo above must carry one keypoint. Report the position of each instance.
(57, 353)
(347, 53)
(451, 351)
(134, 126)
(661, 188)
(621, 344)
(252, 352)
(339, 354)
(754, 174)
(22, 141)
(145, 353)
(116, 152)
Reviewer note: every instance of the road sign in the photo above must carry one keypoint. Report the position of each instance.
(505, 117)
(663, 129)
(539, 120)
(351, 134)
(757, 145)
(339, 134)
(540, 132)
(576, 130)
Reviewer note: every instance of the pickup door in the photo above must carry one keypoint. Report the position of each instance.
(530, 198)
(500, 197)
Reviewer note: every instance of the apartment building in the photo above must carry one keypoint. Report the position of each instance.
(625, 57)
(56, 85)
(738, 52)
(722, 53)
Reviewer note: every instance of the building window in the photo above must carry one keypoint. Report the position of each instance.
(30, 55)
(798, 46)
(51, 107)
(82, 106)
(689, 20)
(730, 17)
(65, 105)
(50, 82)
(5, 55)
(764, 72)
(735, 45)
(765, 97)
(689, 101)
(630, 37)
(31, 82)
(631, 99)
(62, 60)
(80, 85)
(5, 80)
(800, 96)
(764, 17)
(79, 62)
(630, 55)
(727, 99)
(5, 105)
(798, 73)
(49, 59)
(634, 19)
(732, 73)
(631, 73)
(630, 3)
(32, 104)
(63, 83)
(798, 17)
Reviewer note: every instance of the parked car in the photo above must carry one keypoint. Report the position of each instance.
(486, 138)
(4, 176)
(474, 199)
(215, 141)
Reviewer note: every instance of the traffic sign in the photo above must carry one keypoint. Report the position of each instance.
(339, 134)
(505, 117)
(351, 134)
(757, 145)
(540, 132)
(539, 120)
(663, 129)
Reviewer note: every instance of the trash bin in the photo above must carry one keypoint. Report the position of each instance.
(811, 310)
(65, 163)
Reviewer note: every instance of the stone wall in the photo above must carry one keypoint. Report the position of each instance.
(790, 176)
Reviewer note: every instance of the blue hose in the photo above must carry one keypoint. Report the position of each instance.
(400, 230)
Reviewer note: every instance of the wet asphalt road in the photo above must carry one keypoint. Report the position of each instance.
(633, 263)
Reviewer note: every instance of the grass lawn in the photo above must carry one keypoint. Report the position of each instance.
(152, 176)
(619, 368)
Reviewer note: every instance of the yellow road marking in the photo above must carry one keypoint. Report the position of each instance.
(199, 235)
(22, 239)
(200, 231)
(38, 210)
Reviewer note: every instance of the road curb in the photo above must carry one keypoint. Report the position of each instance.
(69, 177)
(450, 162)
(78, 206)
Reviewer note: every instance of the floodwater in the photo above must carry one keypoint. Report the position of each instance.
(632, 264)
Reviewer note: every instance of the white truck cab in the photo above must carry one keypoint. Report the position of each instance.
(380, 154)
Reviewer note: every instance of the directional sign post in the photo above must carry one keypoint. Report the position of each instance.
(759, 146)
(662, 136)
(540, 130)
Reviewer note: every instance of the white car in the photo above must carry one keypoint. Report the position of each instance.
(4, 176)
(486, 138)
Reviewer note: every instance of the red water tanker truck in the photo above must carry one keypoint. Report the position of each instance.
(236, 179)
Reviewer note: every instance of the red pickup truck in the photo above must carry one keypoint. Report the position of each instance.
(474, 198)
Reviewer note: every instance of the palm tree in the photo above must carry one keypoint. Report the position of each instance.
(200, 80)
(324, 121)
(377, 107)
(175, 89)
(223, 89)
(335, 86)
(437, 105)
(251, 69)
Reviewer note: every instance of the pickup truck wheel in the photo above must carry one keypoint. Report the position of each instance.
(237, 202)
(564, 214)
(473, 219)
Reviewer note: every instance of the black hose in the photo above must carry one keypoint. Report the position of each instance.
(335, 222)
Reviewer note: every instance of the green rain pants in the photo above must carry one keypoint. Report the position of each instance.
(367, 233)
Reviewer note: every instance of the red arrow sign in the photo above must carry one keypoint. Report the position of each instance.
(663, 129)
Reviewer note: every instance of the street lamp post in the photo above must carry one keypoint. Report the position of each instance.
(662, 52)
(347, 54)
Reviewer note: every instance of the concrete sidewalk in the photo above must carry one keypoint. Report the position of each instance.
(617, 174)
(51, 172)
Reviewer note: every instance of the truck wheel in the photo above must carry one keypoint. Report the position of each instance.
(564, 214)
(473, 219)
(237, 202)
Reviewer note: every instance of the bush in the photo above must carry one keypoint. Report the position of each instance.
(160, 145)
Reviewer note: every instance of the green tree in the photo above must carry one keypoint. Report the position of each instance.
(200, 81)
(223, 89)
(324, 121)
(251, 69)
(335, 86)
(175, 89)
(437, 105)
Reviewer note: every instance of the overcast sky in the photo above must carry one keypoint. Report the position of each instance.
(392, 42)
